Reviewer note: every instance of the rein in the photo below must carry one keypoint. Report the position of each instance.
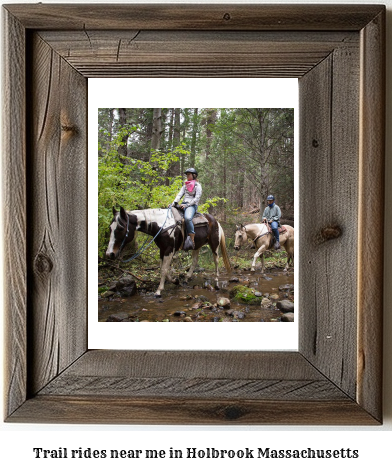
(260, 235)
(126, 236)
(141, 250)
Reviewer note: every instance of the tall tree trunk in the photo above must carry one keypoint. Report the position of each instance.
(211, 119)
(163, 143)
(111, 123)
(175, 168)
(240, 188)
(194, 138)
(123, 149)
(263, 192)
(263, 160)
(156, 129)
(224, 182)
(171, 130)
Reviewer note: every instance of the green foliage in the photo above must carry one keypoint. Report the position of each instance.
(212, 202)
(133, 184)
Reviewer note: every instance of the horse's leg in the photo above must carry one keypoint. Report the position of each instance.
(214, 242)
(289, 247)
(195, 258)
(286, 268)
(259, 253)
(165, 267)
(171, 278)
(169, 274)
(216, 262)
(284, 242)
(290, 252)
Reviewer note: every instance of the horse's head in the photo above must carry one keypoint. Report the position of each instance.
(122, 231)
(240, 236)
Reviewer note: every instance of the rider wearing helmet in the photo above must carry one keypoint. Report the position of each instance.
(191, 191)
(272, 215)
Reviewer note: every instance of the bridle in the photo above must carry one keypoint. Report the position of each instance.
(126, 236)
(258, 236)
(142, 247)
(261, 235)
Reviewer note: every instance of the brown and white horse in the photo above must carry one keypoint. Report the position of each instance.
(263, 240)
(170, 239)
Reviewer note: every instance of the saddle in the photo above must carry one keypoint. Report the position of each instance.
(282, 229)
(198, 219)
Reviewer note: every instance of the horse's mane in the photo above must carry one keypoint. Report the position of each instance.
(259, 227)
(158, 215)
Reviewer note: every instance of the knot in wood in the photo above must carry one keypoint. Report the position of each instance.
(328, 233)
(227, 16)
(315, 143)
(232, 413)
(43, 264)
(68, 128)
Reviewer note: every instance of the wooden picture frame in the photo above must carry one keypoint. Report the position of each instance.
(338, 54)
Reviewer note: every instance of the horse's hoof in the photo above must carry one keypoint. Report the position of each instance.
(157, 295)
(253, 269)
(176, 281)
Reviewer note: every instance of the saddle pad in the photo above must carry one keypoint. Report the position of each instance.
(198, 219)
(178, 216)
(282, 229)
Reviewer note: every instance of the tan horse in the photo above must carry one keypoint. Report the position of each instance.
(263, 240)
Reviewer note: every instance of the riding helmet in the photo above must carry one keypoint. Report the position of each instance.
(270, 198)
(191, 170)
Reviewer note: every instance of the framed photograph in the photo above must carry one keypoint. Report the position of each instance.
(337, 53)
(221, 139)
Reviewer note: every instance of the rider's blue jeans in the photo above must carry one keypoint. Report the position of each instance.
(188, 216)
(275, 229)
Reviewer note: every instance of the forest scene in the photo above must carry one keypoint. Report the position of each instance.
(241, 157)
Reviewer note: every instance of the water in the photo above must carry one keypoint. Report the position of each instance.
(197, 300)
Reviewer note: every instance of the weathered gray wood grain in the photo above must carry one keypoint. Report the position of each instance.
(179, 374)
(125, 410)
(14, 212)
(208, 364)
(329, 209)
(193, 17)
(188, 387)
(122, 53)
(371, 216)
(57, 214)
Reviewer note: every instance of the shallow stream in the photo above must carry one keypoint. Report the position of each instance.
(197, 300)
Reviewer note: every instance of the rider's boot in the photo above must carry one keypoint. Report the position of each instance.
(192, 236)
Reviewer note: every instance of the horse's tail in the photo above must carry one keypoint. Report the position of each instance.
(222, 243)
